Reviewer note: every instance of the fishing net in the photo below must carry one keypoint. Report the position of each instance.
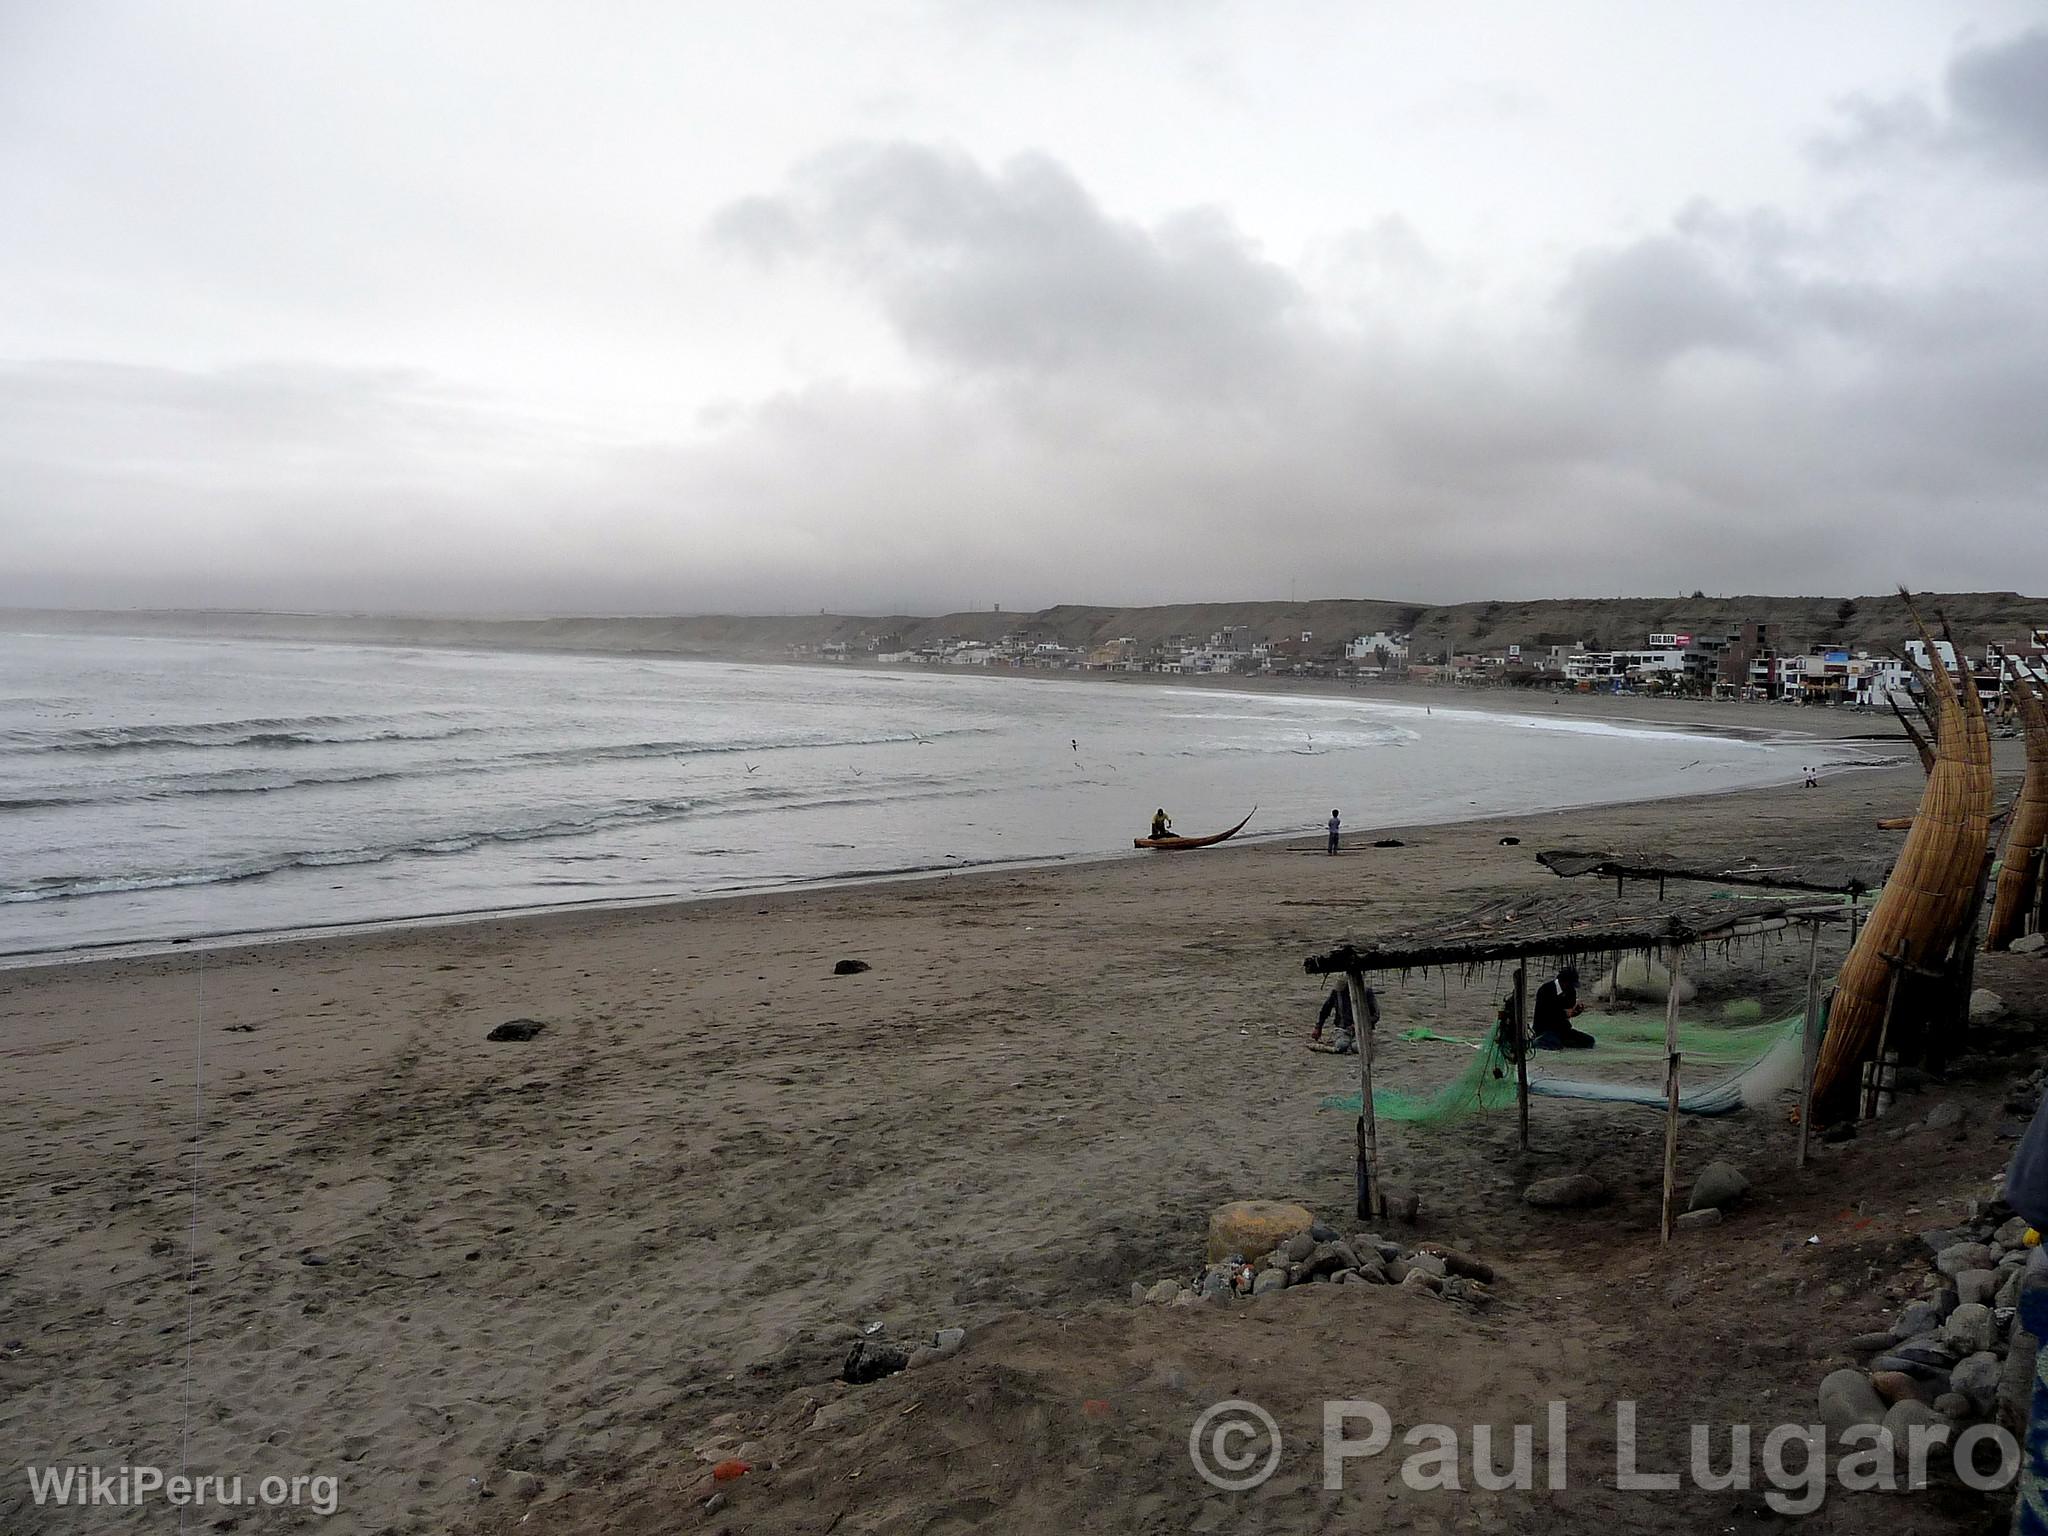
(1766, 1058)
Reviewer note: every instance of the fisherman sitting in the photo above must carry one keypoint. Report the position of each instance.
(1555, 1006)
(1344, 1037)
(1162, 824)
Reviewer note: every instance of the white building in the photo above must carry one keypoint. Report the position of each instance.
(1379, 649)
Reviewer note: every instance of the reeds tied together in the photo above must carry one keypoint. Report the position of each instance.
(1930, 894)
(2017, 880)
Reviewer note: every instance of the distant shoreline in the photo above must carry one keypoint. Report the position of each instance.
(1784, 719)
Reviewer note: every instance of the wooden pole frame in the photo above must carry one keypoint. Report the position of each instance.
(1674, 953)
(1522, 1048)
(1362, 1032)
(1809, 1054)
(1884, 1034)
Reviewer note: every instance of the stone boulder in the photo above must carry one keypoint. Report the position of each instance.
(871, 1360)
(1251, 1229)
(1971, 1328)
(1847, 1399)
(1957, 1257)
(1902, 1416)
(1985, 1005)
(1976, 1377)
(1719, 1186)
(1978, 1285)
(1565, 1192)
(2031, 944)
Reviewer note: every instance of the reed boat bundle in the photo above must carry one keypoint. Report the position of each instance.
(1933, 887)
(2017, 888)
(1920, 742)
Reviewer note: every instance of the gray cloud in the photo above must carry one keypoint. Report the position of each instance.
(1019, 269)
(1018, 382)
(1996, 100)
(1999, 95)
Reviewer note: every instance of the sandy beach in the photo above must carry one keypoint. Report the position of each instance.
(546, 1285)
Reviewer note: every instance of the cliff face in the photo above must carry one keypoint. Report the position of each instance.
(1873, 623)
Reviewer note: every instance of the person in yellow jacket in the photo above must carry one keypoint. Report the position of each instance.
(1162, 824)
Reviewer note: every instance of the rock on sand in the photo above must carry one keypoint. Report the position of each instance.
(1566, 1192)
(1719, 1186)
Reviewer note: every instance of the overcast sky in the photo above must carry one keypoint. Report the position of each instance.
(667, 306)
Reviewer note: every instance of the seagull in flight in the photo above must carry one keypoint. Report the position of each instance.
(750, 767)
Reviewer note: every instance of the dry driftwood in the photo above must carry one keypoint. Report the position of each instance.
(1922, 909)
(2029, 827)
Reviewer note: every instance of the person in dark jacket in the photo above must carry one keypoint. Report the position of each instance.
(1344, 1037)
(1555, 1005)
(2026, 1180)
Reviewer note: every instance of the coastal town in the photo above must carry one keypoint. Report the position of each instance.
(1755, 662)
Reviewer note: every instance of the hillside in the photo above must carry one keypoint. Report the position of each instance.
(1875, 623)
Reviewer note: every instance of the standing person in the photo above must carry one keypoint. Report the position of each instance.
(1556, 1005)
(1336, 826)
(1812, 779)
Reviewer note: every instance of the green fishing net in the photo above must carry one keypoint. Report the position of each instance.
(1488, 1079)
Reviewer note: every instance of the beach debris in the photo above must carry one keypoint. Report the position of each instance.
(1510, 842)
(871, 1360)
(516, 1029)
(1251, 1229)
(1565, 1192)
(850, 967)
(1390, 842)
(1302, 1258)
(731, 1469)
(1719, 1185)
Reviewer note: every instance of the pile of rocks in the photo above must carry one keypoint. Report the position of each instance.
(1956, 1355)
(1252, 1254)
(876, 1356)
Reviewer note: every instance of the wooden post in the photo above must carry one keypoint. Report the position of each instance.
(1884, 1033)
(1522, 1048)
(1361, 1023)
(1671, 1090)
(1966, 956)
(1855, 916)
(1809, 1055)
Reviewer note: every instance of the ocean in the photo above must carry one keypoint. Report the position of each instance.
(160, 789)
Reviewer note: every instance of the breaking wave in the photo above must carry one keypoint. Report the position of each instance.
(301, 731)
